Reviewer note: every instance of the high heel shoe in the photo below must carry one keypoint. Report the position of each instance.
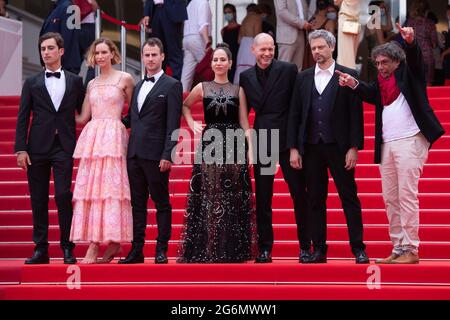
(109, 258)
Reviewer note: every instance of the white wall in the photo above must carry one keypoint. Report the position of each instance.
(10, 57)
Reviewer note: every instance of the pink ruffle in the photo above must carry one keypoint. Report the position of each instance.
(102, 221)
(102, 178)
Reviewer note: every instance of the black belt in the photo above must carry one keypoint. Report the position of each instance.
(159, 5)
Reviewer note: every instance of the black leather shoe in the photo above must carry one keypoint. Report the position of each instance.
(39, 257)
(134, 256)
(305, 256)
(317, 257)
(361, 257)
(69, 257)
(264, 257)
(161, 257)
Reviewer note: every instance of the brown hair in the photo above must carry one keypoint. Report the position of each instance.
(90, 55)
(52, 35)
(225, 47)
(153, 42)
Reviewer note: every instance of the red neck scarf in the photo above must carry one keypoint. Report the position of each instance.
(389, 89)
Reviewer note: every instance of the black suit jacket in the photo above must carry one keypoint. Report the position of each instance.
(152, 127)
(46, 120)
(347, 113)
(175, 9)
(411, 81)
(56, 21)
(271, 105)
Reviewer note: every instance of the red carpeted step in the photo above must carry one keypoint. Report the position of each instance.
(280, 201)
(280, 216)
(176, 186)
(281, 249)
(225, 292)
(364, 170)
(279, 272)
(281, 233)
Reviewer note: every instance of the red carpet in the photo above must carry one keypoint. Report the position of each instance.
(340, 278)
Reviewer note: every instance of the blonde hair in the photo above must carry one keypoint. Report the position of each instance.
(90, 55)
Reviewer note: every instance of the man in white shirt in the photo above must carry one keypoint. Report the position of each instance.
(325, 131)
(153, 116)
(197, 30)
(51, 97)
(405, 127)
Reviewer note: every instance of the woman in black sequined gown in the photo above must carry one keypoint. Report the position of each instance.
(220, 217)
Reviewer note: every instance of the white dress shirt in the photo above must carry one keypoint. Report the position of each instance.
(199, 17)
(322, 77)
(56, 87)
(146, 87)
(158, 1)
(301, 14)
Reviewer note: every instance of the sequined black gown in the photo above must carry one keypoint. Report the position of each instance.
(220, 217)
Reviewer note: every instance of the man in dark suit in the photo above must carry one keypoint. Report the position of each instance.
(268, 88)
(325, 131)
(153, 116)
(51, 96)
(405, 128)
(57, 21)
(165, 19)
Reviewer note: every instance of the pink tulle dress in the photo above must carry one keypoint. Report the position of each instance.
(102, 208)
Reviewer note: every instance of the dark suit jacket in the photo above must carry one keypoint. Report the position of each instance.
(46, 120)
(271, 105)
(411, 81)
(175, 9)
(56, 21)
(347, 114)
(152, 127)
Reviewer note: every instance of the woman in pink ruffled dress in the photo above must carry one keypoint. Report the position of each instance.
(102, 209)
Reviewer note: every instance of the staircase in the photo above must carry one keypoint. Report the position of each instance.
(340, 278)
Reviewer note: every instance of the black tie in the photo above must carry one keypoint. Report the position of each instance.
(53, 74)
(147, 78)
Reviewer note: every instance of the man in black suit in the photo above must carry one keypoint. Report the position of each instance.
(325, 132)
(58, 20)
(52, 96)
(268, 88)
(165, 19)
(153, 116)
(405, 128)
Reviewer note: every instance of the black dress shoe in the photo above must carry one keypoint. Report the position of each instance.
(134, 256)
(305, 256)
(161, 258)
(69, 257)
(264, 257)
(317, 257)
(39, 257)
(361, 257)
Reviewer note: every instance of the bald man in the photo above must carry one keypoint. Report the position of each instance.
(268, 87)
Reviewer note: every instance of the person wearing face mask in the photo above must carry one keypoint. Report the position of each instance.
(230, 34)
(3, 12)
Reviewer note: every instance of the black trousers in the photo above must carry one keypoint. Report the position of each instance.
(317, 160)
(264, 193)
(145, 177)
(171, 35)
(39, 182)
